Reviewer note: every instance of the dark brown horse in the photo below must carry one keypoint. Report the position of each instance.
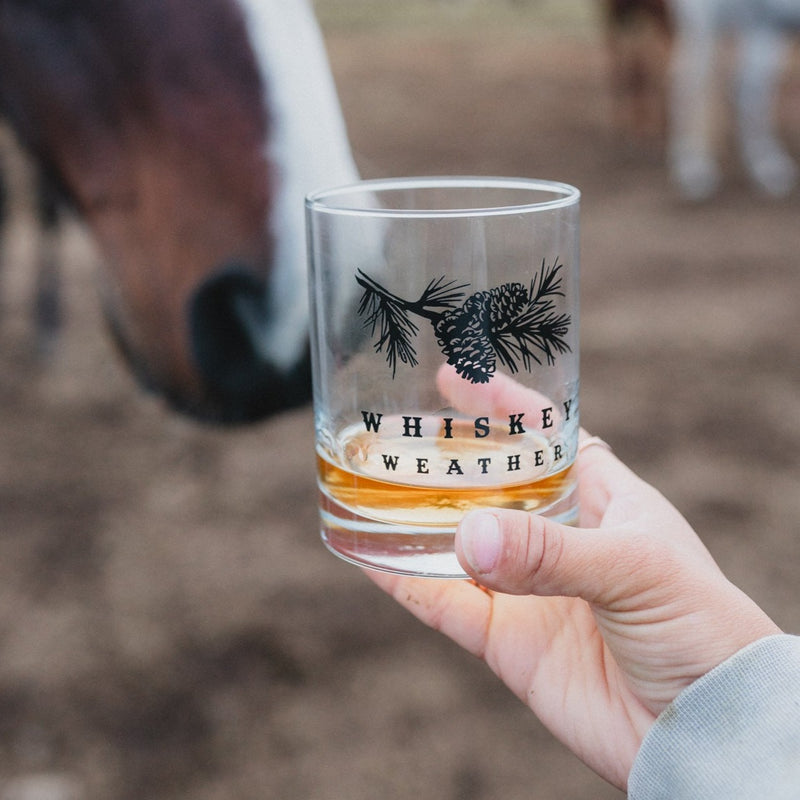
(639, 34)
(185, 133)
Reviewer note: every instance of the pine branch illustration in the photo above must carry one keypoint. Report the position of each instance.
(549, 282)
(438, 296)
(530, 337)
(535, 329)
(510, 323)
(389, 314)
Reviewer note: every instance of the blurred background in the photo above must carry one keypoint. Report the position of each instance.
(170, 625)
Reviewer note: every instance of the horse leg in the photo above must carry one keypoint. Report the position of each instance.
(47, 310)
(638, 41)
(761, 59)
(3, 214)
(692, 165)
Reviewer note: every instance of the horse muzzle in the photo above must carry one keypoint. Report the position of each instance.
(240, 383)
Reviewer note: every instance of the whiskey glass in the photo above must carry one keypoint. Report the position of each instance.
(445, 354)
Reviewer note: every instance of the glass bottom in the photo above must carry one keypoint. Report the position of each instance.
(409, 549)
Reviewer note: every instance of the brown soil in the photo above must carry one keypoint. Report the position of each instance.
(171, 626)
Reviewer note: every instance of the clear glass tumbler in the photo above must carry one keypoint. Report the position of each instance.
(444, 341)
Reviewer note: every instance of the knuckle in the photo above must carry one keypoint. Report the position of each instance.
(541, 550)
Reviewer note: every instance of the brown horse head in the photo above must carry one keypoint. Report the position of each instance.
(156, 119)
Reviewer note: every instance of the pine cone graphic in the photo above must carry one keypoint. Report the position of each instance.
(469, 336)
(506, 302)
(463, 335)
(509, 323)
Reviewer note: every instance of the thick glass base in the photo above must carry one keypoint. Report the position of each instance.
(428, 555)
(408, 549)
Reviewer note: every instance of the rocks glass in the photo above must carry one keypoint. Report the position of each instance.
(444, 339)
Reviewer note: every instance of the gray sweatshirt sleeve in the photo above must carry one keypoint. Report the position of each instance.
(734, 733)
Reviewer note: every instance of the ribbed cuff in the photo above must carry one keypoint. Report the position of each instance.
(734, 733)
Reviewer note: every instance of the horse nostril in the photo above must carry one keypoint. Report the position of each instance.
(220, 339)
(227, 321)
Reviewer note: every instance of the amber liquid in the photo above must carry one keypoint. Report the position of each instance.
(403, 521)
(403, 504)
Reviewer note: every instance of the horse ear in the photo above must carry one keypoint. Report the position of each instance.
(227, 319)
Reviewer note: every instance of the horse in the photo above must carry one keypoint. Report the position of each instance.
(186, 135)
(639, 38)
(761, 28)
(48, 212)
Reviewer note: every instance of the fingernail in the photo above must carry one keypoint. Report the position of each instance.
(480, 541)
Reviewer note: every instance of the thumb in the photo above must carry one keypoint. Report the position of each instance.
(516, 552)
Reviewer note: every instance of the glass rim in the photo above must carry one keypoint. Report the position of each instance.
(564, 195)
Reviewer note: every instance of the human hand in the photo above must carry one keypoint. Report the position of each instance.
(598, 627)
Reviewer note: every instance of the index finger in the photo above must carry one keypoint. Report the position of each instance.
(601, 477)
(500, 397)
(601, 474)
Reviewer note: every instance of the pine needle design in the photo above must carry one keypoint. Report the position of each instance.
(511, 324)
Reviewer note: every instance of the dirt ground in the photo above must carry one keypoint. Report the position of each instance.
(170, 625)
